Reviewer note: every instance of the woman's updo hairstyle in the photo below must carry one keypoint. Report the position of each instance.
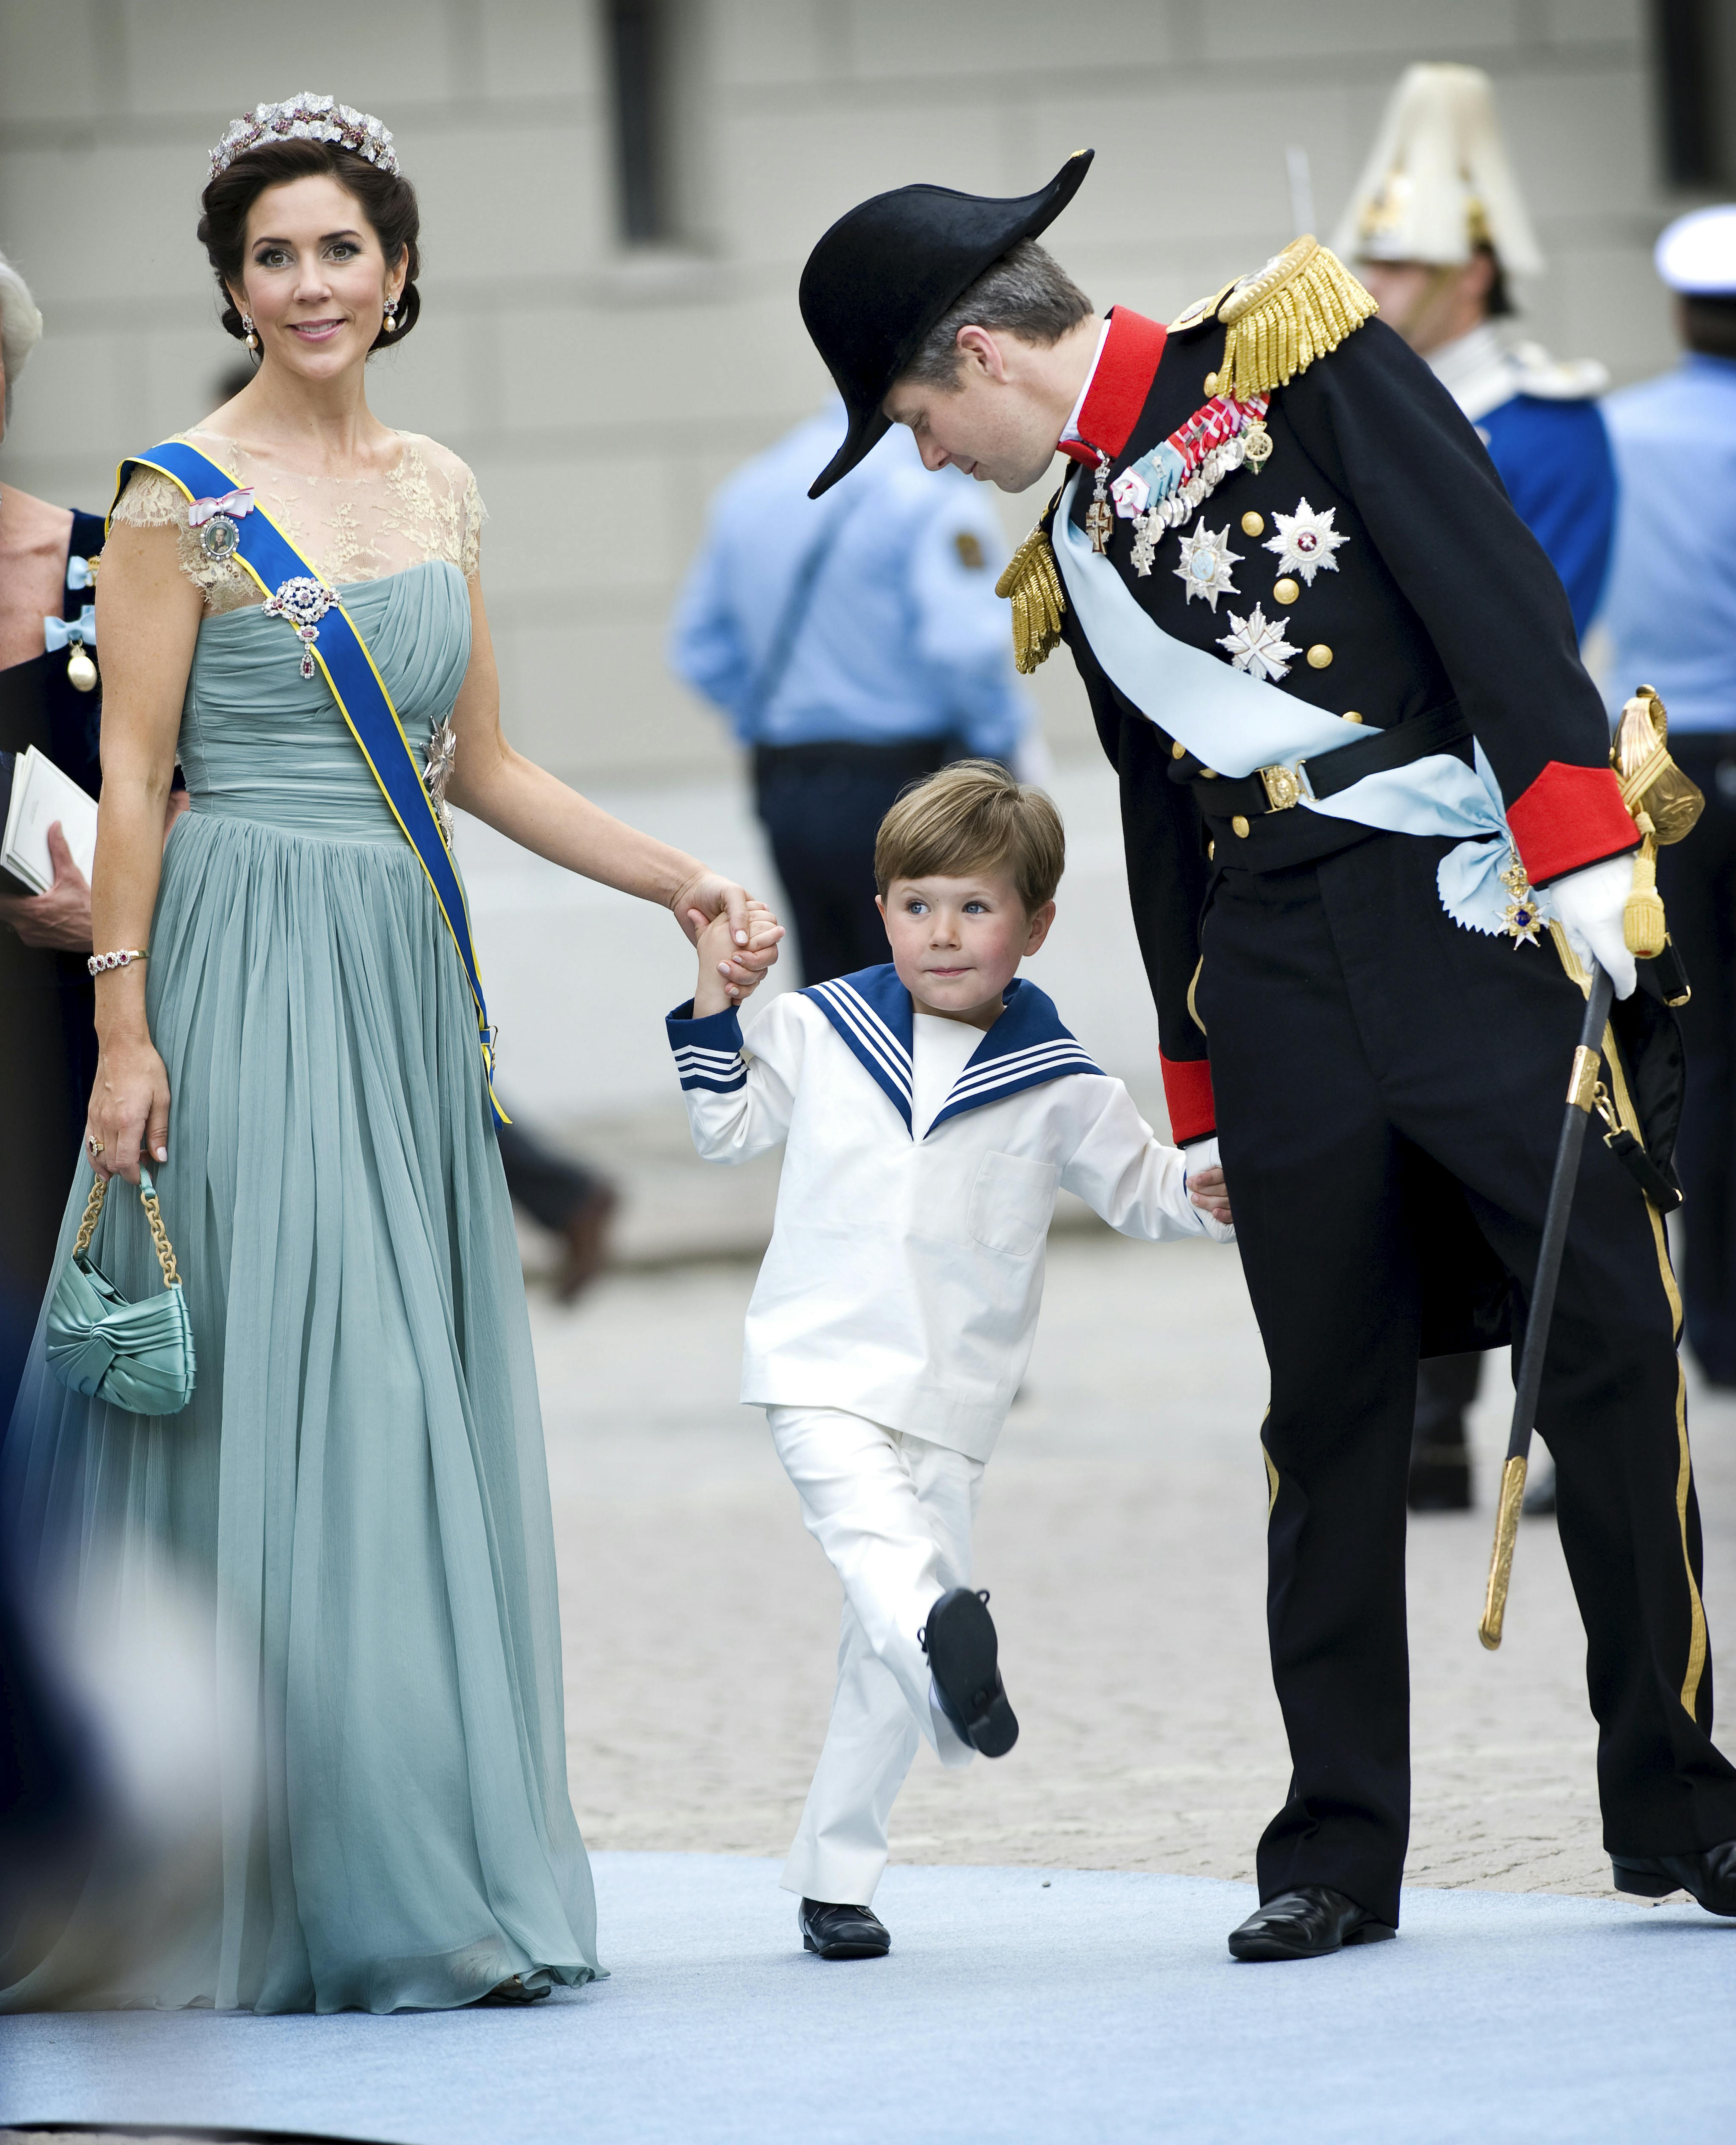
(388, 200)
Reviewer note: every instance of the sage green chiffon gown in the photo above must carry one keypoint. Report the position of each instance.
(359, 1482)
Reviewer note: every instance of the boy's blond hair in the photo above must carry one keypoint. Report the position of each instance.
(973, 817)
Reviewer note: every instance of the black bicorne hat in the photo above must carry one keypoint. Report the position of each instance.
(884, 274)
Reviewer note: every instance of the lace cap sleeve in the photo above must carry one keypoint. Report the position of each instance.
(470, 552)
(151, 501)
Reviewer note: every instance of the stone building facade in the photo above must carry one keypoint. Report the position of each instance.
(618, 196)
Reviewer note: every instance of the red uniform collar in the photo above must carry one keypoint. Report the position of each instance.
(1126, 366)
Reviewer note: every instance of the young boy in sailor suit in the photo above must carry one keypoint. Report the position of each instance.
(929, 1110)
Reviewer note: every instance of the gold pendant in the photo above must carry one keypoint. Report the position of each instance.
(1099, 523)
(1257, 446)
(1522, 918)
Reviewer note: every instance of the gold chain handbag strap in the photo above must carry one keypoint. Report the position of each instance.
(153, 1214)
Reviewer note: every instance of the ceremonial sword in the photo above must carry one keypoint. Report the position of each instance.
(1581, 1094)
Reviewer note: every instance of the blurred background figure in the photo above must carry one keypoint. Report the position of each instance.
(1671, 615)
(50, 699)
(1435, 228)
(855, 643)
(569, 1200)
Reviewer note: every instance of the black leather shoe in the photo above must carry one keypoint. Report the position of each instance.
(516, 1990)
(842, 1932)
(1710, 1875)
(1306, 1924)
(1440, 1479)
(959, 1639)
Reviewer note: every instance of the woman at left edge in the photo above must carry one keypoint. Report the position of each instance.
(359, 1477)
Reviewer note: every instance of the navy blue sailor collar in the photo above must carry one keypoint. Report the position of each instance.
(873, 1012)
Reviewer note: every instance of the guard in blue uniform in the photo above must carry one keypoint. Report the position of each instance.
(1361, 766)
(854, 646)
(1671, 612)
(1437, 228)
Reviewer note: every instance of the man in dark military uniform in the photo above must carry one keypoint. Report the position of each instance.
(1361, 768)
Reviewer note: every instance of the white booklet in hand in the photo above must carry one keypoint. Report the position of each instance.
(41, 794)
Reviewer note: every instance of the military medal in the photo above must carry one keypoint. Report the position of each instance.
(1257, 446)
(1206, 561)
(1523, 918)
(216, 521)
(442, 756)
(1305, 541)
(1257, 646)
(1099, 519)
(1147, 534)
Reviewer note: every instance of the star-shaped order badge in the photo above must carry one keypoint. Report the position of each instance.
(1206, 562)
(1257, 646)
(1305, 541)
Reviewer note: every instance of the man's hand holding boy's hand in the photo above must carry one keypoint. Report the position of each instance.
(729, 973)
(1206, 1189)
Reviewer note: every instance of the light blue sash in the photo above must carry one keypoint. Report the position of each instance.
(1237, 722)
(360, 695)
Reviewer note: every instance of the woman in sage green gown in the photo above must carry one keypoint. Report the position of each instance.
(359, 1480)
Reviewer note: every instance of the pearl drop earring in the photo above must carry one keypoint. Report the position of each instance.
(251, 334)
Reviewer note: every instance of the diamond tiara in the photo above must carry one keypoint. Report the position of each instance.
(306, 118)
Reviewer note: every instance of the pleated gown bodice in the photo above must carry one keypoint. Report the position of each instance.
(358, 1484)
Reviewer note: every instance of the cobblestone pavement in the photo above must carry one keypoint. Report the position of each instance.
(1122, 1535)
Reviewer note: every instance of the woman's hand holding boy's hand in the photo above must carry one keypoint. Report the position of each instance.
(728, 972)
(1207, 1190)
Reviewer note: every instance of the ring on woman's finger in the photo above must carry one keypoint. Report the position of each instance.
(93, 1146)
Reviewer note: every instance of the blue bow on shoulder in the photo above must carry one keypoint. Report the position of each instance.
(79, 572)
(59, 632)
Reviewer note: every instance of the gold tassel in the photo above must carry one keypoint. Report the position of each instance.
(1278, 322)
(1642, 918)
(1033, 586)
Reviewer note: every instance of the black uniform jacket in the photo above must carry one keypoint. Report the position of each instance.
(1439, 597)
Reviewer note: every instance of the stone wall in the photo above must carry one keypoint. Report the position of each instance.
(600, 395)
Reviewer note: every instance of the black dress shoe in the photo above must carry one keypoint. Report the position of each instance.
(1710, 1875)
(516, 1990)
(959, 1639)
(1440, 1479)
(842, 1932)
(1306, 1924)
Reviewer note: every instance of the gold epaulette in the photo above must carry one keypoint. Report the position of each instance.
(1033, 584)
(1299, 305)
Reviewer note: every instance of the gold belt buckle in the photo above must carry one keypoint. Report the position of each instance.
(1283, 786)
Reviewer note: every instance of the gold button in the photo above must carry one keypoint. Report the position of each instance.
(1253, 523)
(1351, 715)
(1286, 591)
(1240, 825)
(1319, 656)
(1211, 383)
(1178, 750)
(1211, 851)
(1208, 774)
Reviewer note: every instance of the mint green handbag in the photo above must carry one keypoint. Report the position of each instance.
(136, 1355)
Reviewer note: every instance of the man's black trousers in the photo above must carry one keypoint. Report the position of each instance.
(1361, 1043)
(821, 806)
(1697, 880)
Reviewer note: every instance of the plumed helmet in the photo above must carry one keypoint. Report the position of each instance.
(887, 271)
(1438, 183)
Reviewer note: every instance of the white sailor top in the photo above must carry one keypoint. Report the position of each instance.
(905, 1267)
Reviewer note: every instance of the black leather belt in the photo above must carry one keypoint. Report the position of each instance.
(1276, 788)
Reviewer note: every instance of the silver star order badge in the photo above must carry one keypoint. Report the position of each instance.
(437, 771)
(1305, 541)
(1257, 646)
(1523, 920)
(1206, 561)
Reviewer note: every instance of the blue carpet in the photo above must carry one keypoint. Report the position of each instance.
(1103, 2008)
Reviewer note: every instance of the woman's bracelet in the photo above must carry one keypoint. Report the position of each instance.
(124, 959)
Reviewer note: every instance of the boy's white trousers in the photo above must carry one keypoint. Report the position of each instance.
(894, 1513)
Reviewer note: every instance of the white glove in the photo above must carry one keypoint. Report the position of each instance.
(1588, 905)
(1202, 1154)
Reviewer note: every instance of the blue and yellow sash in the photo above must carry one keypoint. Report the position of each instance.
(359, 691)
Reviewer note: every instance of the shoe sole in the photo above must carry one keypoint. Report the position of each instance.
(844, 1950)
(1645, 1880)
(963, 1658)
(1266, 1948)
